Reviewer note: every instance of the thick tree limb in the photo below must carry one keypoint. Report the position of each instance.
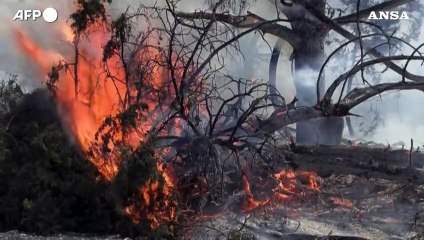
(250, 20)
(336, 27)
(283, 117)
(330, 91)
(247, 21)
(359, 95)
(328, 109)
(358, 160)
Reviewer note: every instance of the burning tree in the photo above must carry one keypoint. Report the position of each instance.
(148, 98)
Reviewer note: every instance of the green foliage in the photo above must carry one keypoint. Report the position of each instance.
(89, 12)
(114, 125)
(46, 185)
(11, 94)
(137, 169)
(121, 29)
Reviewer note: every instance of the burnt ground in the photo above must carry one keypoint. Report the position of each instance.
(15, 235)
(347, 206)
(374, 201)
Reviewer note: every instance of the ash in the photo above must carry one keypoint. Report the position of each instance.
(346, 207)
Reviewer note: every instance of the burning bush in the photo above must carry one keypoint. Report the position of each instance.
(142, 190)
(128, 92)
(48, 185)
(145, 103)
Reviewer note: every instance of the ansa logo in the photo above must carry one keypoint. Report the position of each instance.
(392, 15)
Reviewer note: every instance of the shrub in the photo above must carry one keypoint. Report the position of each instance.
(47, 186)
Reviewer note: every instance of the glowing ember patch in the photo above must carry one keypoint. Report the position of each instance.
(311, 179)
(251, 203)
(339, 202)
(289, 180)
(289, 186)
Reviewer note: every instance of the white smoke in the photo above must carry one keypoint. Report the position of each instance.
(402, 112)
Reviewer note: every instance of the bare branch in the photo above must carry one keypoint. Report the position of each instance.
(248, 21)
(336, 27)
(366, 12)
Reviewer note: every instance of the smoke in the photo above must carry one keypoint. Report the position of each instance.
(46, 34)
(399, 113)
(393, 117)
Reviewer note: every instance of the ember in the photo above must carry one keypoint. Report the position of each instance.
(184, 114)
(251, 203)
(290, 182)
(290, 185)
(339, 202)
(94, 100)
(99, 99)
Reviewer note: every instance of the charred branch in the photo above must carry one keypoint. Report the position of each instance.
(366, 161)
(336, 27)
(248, 21)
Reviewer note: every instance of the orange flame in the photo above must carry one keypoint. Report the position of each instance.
(339, 202)
(288, 185)
(251, 203)
(164, 211)
(98, 98)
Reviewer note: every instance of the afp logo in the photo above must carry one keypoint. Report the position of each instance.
(390, 15)
(49, 15)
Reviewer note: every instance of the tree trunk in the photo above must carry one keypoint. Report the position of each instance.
(309, 57)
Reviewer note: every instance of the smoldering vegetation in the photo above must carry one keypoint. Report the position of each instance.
(228, 156)
(392, 120)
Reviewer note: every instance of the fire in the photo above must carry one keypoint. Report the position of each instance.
(289, 185)
(86, 105)
(340, 202)
(44, 59)
(290, 182)
(97, 98)
(149, 193)
(251, 203)
(67, 33)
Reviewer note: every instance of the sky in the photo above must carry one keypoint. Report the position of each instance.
(403, 113)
